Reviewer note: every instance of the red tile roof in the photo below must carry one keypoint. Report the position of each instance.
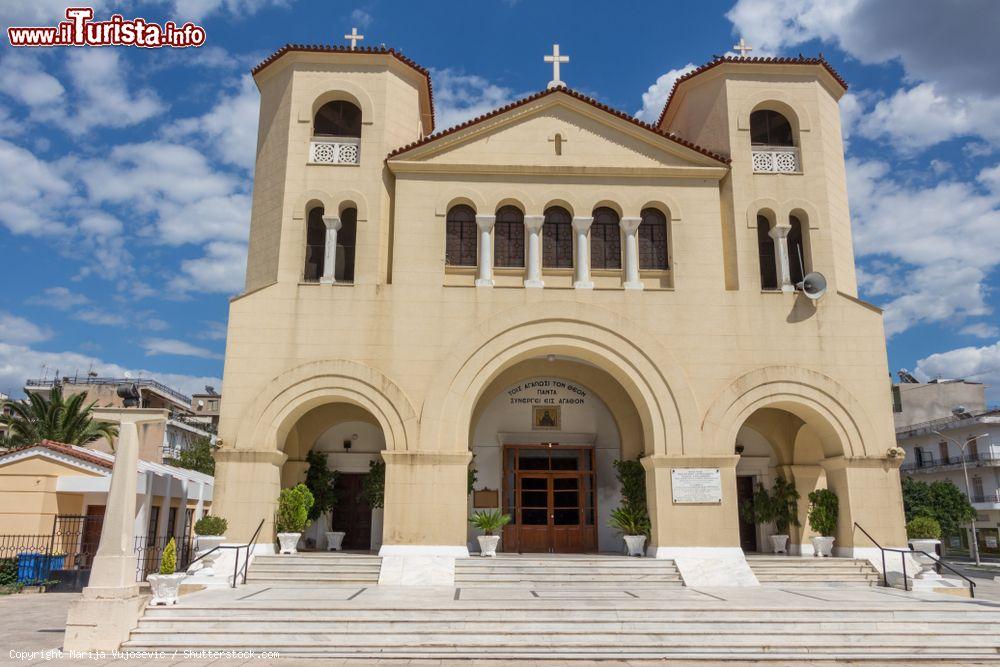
(572, 93)
(68, 450)
(800, 60)
(366, 50)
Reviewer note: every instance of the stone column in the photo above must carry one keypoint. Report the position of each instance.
(246, 487)
(630, 228)
(779, 233)
(869, 493)
(333, 225)
(807, 479)
(533, 238)
(484, 277)
(581, 263)
(161, 528)
(110, 605)
(703, 539)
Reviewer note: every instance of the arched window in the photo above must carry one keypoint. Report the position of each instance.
(653, 240)
(796, 251)
(605, 240)
(557, 239)
(346, 241)
(765, 250)
(460, 245)
(315, 245)
(508, 237)
(770, 128)
(337, 119)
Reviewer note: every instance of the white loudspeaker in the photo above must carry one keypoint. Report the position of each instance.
(813, 285)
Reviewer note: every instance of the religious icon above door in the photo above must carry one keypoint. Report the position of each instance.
(545, 418)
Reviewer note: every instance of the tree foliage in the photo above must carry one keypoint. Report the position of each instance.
(778, 506)
(293, 509)
(824, 509)
(168, 563)
(373, 484)
(941, 500)
(633, 515)
(68, 421)
(198, 456)
(322, 483)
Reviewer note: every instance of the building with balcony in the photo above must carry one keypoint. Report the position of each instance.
(544, 290)
(947, 433)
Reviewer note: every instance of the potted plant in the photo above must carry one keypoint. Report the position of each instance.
(924, 534)
(292, 517)
(490, 523)
(211, 532)
(322, 483)
(167, 583)
(779, 506)
(823, 511)
(633, 524)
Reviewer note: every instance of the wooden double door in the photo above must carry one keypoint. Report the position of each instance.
(549, 492)
(352, 515)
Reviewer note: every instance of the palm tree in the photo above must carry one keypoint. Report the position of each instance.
(68, 421)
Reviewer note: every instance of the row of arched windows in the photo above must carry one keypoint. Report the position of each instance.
(340, 264)
(557, 239)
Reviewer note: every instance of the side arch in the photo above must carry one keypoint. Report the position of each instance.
(642, 366)
(472, 198)
(293, 393)
(775, 100)
(839, 419)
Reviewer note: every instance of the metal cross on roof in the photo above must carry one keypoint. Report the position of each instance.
(354, 38)
(742, 47)
(556, 59)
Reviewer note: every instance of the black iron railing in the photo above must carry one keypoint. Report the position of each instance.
(149, 554)
(237, 570)
(938, 561)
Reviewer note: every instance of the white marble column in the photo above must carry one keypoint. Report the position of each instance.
(630, 228)
(484, 277)
(333, 225)
(779, 233)
(533, 244)
(161, 528)
(581, 263)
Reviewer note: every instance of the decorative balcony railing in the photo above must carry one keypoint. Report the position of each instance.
(335, 150)
(987, 456)
(776, 159)
(987, 497)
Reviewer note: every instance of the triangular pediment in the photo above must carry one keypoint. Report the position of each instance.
(558, 130)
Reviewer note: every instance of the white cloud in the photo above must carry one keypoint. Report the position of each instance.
(982, 330)
(100, 317)
(14, 329)
(221, 270)
(459, 97)
(100, 224)
(979, 364)
(32, 192)
(171, 346)
(22, 78)
(40, 12)
(940, 241)
(198, 9)
(362, 18)
(213, 331)
(656, 95)
(230, 126)
(104, 98)
(60, 298)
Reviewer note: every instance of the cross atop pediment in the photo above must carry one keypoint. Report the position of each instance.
(354, 38)
(556, 60)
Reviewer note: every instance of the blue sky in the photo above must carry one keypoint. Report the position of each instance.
(126, 173)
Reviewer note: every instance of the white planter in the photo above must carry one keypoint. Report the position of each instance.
(334, 539)
(205, 544)
(822, 546)
(636, 544)
(926, 563)
(488, 545)
(779, 544)
(165, 587)
(288, 542)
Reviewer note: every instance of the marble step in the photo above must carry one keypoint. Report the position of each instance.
(565, 570)
(267, 567)
(336, 561)
(566, 576)
(561, 562)
(318, 580)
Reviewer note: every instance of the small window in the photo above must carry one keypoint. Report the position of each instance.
(460, 245)
(765, 252)
(315, 245)
(770, 128)
(346, 241)
(337, 119)
(605, 240)
(557, 239)
(972, 449)
(653, 240)
(897, 399)
(508, 238)
(943, 451)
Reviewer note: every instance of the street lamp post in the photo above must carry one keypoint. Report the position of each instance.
(968, 488)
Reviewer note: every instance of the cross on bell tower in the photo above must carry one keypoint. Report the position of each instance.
(556, 59)
(354, 38)
(743, 48)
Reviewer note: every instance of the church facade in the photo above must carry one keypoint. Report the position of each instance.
(545, 290)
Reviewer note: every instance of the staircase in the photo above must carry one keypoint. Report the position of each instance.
(804, 572)
(315, 569)
(573, 572)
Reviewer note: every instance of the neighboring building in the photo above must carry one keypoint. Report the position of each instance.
(4, 411)
(205, 408)
(157, 440)
(551, 287)
(933, 417)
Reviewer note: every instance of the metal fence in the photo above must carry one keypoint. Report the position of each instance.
(149, 554)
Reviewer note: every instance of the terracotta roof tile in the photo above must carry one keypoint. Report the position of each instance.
(366, 50)
(799, 60)
(68, 450)
(572, 93)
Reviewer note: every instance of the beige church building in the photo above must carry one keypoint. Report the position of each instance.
(546, 289)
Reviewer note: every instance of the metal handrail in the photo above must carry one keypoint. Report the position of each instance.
(236, 563)
(934, 557)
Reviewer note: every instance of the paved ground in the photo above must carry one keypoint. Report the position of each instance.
(986, 587)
